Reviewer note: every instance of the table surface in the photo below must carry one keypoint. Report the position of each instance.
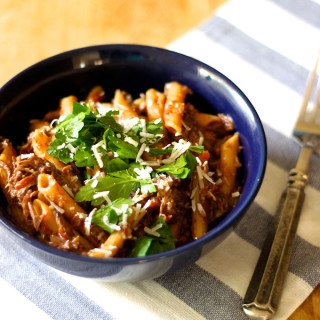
(36, 29)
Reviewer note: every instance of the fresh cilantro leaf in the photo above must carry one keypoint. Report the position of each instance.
(177, 168)
(110, 121)
(111, 214)
(140, 247)
(114, 165)
(83, 157)
(154, 128)
(197, 149)
(147, 188)
(78, 108)
(57, 149)
(191, 163)
(182, 167)
(156, 151)
(119, 184)
(149, 244)
(124, 149)
(117, 187)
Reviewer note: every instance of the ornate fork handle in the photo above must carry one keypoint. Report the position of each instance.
(264, 291)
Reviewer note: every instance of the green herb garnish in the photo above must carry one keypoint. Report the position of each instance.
(151, 244)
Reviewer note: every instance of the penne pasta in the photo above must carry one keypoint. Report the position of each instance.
(155, 101)
(53, 224)
(204, 120)
(48, 219)
(40, 143)
(66, 105)
(174, 91)
(111, 247)
(63, 203)
(174, 108)
(7, 159)
(96, 94)
(120, 104)
(199, 225)
(229, 163)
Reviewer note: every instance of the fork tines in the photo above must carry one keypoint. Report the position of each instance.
(307, 122)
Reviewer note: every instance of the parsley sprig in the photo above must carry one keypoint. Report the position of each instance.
(119, 184)
(149, 244)
(88, 138)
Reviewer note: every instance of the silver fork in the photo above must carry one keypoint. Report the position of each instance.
(263, 294)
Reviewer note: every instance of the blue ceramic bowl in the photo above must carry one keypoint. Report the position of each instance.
(133, 68)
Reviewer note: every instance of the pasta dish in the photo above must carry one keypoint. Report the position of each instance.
(125, 178)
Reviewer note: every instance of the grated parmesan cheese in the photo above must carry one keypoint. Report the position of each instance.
(136, 211)
(68, 190)
(201, 138)
(193, 193)
(200, 209)
(142, 148)
(81, 215)
(103, 194)
(208, 178)
(143, 125)
(97, 154)
(128, 124)
(110, 225)
(124, 220)
(102, 109)
(156, 227)
(193, 205)
(57, 207)
(71, 148)
(136, 196)
(87, 222)
(146, 205)
(131, 141)
(26, 155)
(147, 135)
(151, 232)
(155, 163)
(144, 173)
(94, 183)
(179, 148)
(186, 127)
(200, 176)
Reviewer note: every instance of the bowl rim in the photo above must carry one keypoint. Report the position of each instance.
(225, 224)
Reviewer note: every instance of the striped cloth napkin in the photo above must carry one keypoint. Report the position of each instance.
(267, 48)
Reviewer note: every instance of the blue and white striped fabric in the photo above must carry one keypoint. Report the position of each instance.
(267, 47)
